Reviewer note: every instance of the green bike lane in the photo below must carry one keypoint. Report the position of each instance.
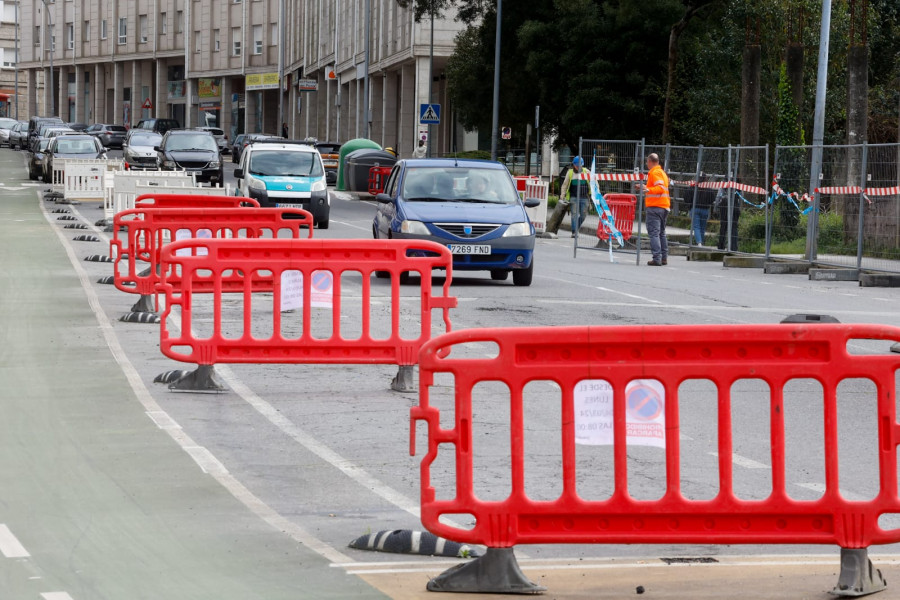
(97, 502)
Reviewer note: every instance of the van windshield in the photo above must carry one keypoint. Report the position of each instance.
(285, 164)
(199, 141)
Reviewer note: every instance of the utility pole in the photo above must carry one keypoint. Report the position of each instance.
(281, 62)
(50, 44)
(430, 81)
(818, 130)
(368, 24)
(16, 9)
(495, 122)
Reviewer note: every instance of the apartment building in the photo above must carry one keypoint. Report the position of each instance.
(8, 14)
(229, 63)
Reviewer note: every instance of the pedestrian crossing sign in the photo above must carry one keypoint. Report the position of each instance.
(430, 114)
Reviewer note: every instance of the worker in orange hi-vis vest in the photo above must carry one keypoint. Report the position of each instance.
(656, 199)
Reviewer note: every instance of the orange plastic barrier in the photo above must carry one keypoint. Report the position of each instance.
(671, 355)
(377, 178)
(622, 207)
(147, 230)
(221, 260)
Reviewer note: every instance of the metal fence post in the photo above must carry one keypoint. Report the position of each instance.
(766, 201)
(862, 205)
(730, 202)
(697, 175)
(640, 204)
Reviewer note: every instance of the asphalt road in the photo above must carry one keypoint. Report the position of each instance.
(320, 453)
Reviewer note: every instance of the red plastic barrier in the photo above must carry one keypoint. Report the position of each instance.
(192, 201)
(622, 207)
(246, 259)
(776, 354)
(147, 230)
(377, 178)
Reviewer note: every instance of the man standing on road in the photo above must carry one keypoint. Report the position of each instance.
(656, 199)
(575, 183)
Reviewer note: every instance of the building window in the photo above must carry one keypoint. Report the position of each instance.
(142, 27)
(86, 34)
(215, 40)
(70, 36)
(198, 40)
(235, 41)
(37, 35)
(103, 29)
(179, 21)
(123, 30)
(257, 39)
(163, 23)
(273, 34)
(9, 57)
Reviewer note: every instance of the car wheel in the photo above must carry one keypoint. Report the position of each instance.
(523, 277)
(405, 278)
(499, 274)
(323, 224)
(31, 174)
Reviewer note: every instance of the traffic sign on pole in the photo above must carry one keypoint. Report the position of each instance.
(430, 114)
(506, 133)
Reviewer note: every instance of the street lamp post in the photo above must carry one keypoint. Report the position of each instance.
(16, 14)
(495, 122)
(50, 44)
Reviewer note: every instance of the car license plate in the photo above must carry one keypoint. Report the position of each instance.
(286, 205)
(469, 249)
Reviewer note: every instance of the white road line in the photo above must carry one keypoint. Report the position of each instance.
(819, 488)
(650, 300)
(719, 307)
(236, 488)
(205, 460)
(743, 461)
(56, 596)
(352, 225)
(163, 420)
(10, 546)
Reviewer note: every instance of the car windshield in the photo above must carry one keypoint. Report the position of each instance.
(145, 139)
(64, 146)
(286, 164)
(455, 184)
(192, 141)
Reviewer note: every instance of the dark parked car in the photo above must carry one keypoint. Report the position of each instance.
(77, 145)
(35, 124)
(251, 137)
(140, 149)
(79, 127)
(158, 125)
(193, 150)
(330, 152)
(470, 206)
(18, 135)
(236, 145)
(111, 136)
(36, 161)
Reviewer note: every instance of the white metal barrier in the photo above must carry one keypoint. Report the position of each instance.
(58, 173)
(123, 191)
(539, 190)
(83, 181)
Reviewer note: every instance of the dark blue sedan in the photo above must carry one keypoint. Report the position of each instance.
(470, 206)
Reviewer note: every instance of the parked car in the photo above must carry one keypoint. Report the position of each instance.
(18, 135)
(221, 139)
(79, 127)
(140, 149)
(158, 125)
(35, 124)
(193, 150)
(470, 206)
(5, 126)
(278, 173)
(236, 144)
(330, 152)
(37, 149)
(78, 145)
(253, 137)
(111, 136)
(52, 132)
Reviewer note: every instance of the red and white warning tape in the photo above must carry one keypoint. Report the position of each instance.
(585, 175)
(717, 185)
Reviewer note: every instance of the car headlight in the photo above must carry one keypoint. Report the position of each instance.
(169, 164)
(256, 184)
(414, 228)
(214, 164)
(517, 230)
(319, 186)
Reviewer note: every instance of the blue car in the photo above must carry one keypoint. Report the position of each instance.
(470, 206)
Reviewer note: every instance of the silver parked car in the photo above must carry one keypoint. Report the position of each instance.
(139, 150)
(5, 126)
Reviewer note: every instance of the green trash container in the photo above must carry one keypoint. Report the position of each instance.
(351, 146)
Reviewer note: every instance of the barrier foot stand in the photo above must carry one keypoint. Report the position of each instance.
(859, 577)
(896, 348)
(203, 379)
(497, 572)
(145, 304)
(405, 380)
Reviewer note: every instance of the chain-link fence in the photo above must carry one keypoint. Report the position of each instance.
(853, 210)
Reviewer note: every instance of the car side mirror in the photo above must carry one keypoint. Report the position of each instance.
(383, 199)
(532, 202)
(157, 148)
(238, 173)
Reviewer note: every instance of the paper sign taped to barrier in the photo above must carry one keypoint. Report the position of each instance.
(185, 234)
(321, 290)
(645, 418)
